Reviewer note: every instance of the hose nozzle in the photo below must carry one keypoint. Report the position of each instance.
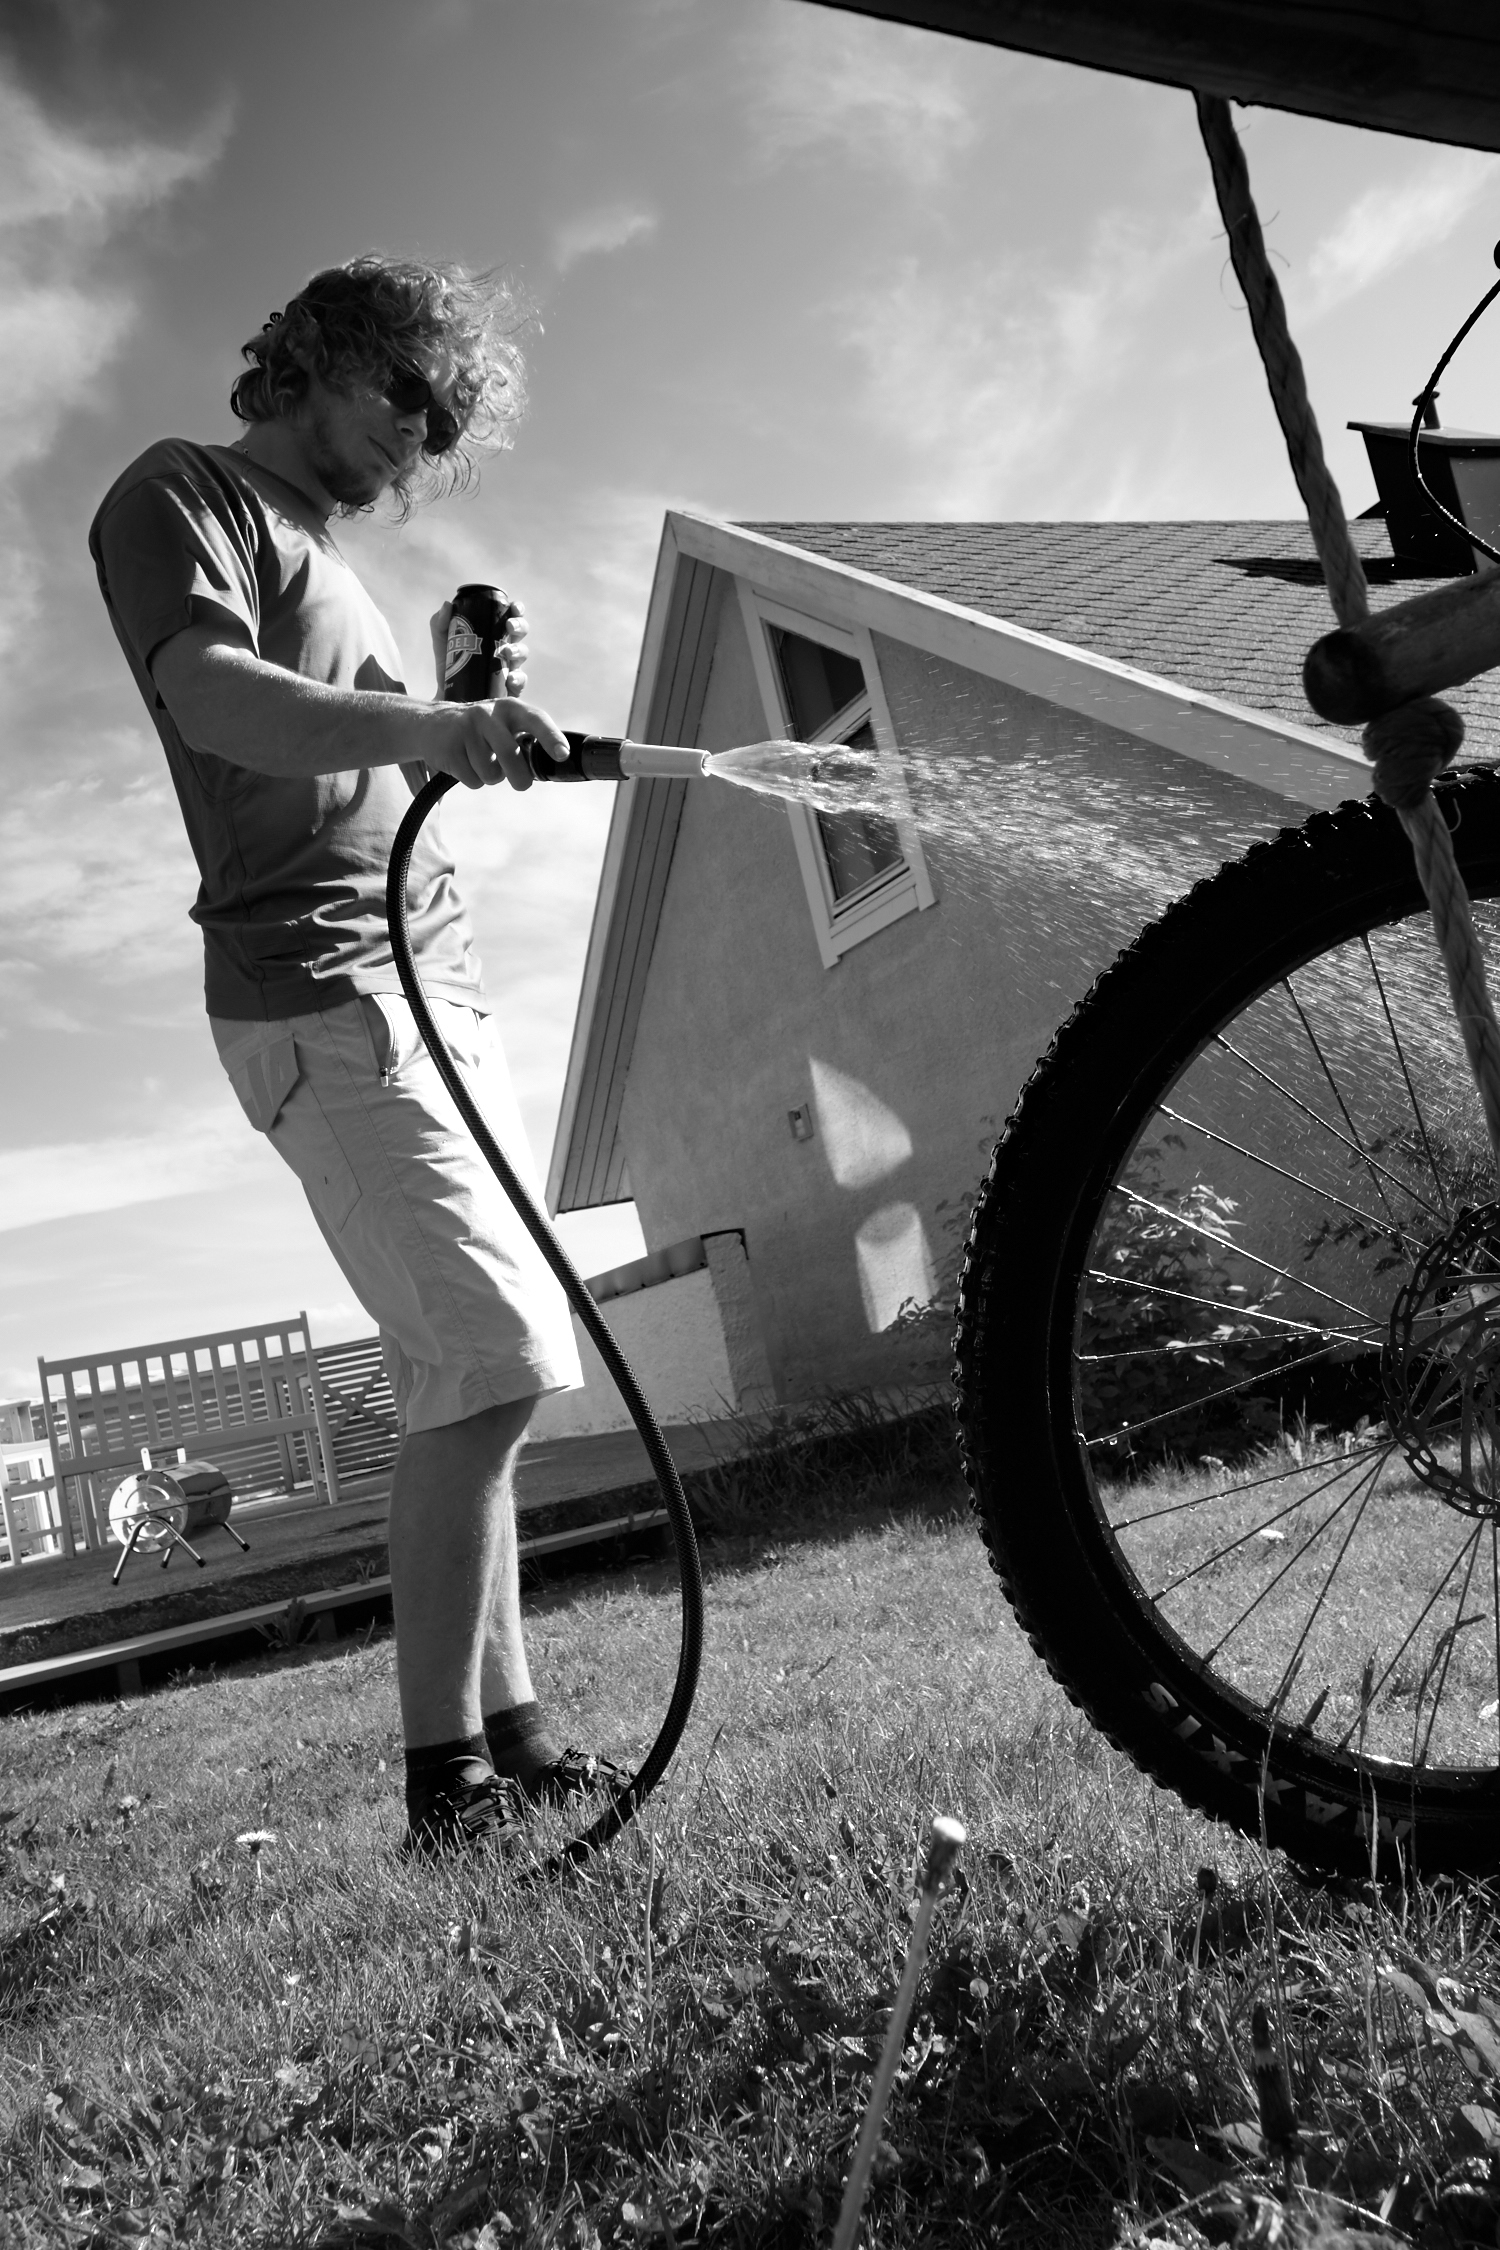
(604, 757)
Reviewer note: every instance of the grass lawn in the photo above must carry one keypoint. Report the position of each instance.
(313, 2043)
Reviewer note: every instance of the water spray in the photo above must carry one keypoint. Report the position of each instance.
(833, 776)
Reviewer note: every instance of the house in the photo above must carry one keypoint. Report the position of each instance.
(799, 1030)
(25, 1476)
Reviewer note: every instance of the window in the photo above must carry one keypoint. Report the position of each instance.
(819, 683)
(860, 847)
(816, 682)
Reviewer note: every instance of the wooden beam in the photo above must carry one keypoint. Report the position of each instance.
(1428, 68)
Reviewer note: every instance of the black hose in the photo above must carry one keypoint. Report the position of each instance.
(1423, 399)
(626, 1802)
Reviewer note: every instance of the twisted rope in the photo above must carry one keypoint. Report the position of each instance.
(1407, 746)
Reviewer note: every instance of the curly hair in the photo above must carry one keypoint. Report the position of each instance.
(354, 325)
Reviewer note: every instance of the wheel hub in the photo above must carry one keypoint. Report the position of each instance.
(1440, 1366)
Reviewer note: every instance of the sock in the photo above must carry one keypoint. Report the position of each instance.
(520, 1742)
(441, 1770)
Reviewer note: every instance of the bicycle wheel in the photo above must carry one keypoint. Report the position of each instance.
(1228, 1355)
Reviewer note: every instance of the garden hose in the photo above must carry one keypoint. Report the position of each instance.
(627, 1801)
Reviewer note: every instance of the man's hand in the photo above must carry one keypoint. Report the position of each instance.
(481, 742)
(513, 649)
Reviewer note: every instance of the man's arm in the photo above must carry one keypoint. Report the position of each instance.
(226, 700)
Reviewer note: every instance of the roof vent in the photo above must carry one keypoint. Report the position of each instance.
(1463, 469)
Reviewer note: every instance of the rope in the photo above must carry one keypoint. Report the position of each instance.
(1463, 956)
(1342, 567)
(1413, 743)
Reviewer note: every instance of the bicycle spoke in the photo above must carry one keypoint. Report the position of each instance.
(1295, 1663)
(1451, 1637)
(1338, 1461)
(1180, 1347)
(1238, 1312)
(1327, 1069)
(1425, 1612)
(1176, 1585)
(1258, 1531)
(1163, 1211)
(1200, 1399)
(1416, 1107)
(1286, 1093)
(1221, 1140)
(1176, 1349)
(1275, 1580)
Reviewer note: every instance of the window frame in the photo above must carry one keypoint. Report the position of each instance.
(903, 889)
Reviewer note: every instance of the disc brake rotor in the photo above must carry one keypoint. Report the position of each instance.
(1440, 1365)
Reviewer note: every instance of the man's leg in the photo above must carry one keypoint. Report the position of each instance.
(504, 1676)
(454, 1579)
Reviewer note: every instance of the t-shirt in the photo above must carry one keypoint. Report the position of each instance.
(292, 897)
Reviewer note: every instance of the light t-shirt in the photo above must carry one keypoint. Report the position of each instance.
(292, 897)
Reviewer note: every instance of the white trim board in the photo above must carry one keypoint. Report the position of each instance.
(657, 612)
(908, 888)
(1295, 761)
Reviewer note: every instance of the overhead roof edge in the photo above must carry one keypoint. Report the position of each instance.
(1430, 72)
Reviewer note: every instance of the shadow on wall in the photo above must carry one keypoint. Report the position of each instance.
(865, 1142)
(895, 1264)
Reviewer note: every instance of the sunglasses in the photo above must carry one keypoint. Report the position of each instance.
(411, 393)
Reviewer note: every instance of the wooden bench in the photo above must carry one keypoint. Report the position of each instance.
(361, 1411)
(249, 1399)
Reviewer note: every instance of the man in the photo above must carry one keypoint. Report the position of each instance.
(275, 686)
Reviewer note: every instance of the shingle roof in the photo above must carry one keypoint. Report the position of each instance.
(1227, 608)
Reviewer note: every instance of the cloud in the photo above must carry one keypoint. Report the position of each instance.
(203, 1148)
(1389, 224)
(977, 369)
(63, 197)
(886, 97)
(99, 877)
(613, 226)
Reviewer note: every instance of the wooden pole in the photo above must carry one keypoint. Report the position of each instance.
(1418, 647)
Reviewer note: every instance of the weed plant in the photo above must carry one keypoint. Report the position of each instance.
(232, 2015)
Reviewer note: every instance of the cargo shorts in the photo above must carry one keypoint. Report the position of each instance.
(469, 1313)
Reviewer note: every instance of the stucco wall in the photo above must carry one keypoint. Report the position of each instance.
(672, 1338)
(1049, 839)
(693, 1342)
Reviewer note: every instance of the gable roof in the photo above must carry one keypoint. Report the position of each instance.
(1152, 627)
(1227, 608)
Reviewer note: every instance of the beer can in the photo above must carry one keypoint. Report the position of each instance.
(473, 670)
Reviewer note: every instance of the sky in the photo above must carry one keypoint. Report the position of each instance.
(780, 262)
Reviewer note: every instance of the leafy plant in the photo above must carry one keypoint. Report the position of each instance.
(1168, 1332)
(289, 1627)
(1445, 1177)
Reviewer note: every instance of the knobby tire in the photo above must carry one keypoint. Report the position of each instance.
(1128, 1609)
